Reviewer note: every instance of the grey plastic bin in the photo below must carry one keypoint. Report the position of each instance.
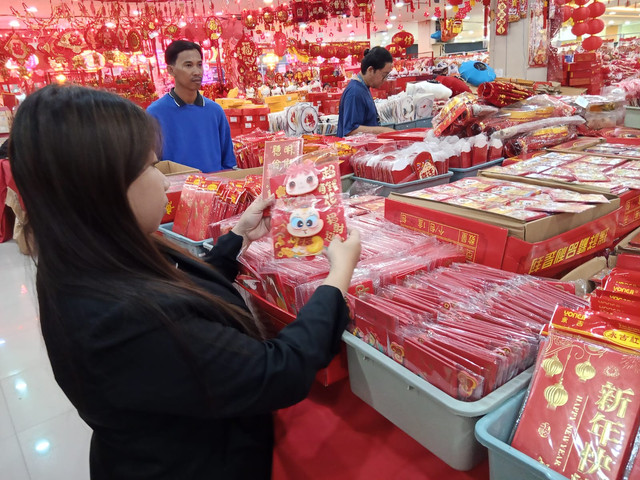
(440, 423)
(196, 248)
(505, 462)
(388, 188)
(405, 125)
(459, 173)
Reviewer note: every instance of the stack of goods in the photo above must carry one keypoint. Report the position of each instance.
(599, 111)
(519, 201)
(208, 200)
(295, 120)
(501, 94)
(327, 102)
(611, 174)
(249, 148)
(584, 71)
(277, 103)
(615, 150)
(403, 108)
(581, 414)
(247, 119)
(466, 328)
(289, 282)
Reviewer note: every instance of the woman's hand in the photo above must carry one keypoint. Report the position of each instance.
(343, 257)
(254, 224)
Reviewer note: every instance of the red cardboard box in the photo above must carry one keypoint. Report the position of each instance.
(584, 57)
(579, 66)
(276, 319)
(493, 245)
(579, 82)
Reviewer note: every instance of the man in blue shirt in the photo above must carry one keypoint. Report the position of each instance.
(195, 129)
(357, 113)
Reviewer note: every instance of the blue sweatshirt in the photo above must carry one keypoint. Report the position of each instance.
(196, 135)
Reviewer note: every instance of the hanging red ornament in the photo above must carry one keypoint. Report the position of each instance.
(580, 29)
(455, 4)
(299, 12)
(597, 9)
(282, 14)
(249, 19)
(592, 43)
(403, 39)
(338, 7)
(395, 50)
(567, 12)
(268, 17)
(596, 25)
(580, 14)
(213, 28)
(280, 43)
(581, 2)
(437, 13)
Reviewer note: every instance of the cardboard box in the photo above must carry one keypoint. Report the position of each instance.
(559, 244)
(172, 168)
(579, 82)
(628, 216)
(577, 145)
(624, 247)
(590, 273)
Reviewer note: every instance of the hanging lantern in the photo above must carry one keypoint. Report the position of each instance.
(580, 14)
(403, 39)
(280, 41)
(581, 2)
(213, 28)
(455, 4)
(592, 43)
(338, 7)
(580, 29)
(314, 50)
(395, 50)
(318, 10)
(595, 26)
(341, 52)
(299, 12)
(567, 12)
(597, 9)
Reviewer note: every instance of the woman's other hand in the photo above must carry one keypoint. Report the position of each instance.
(254, 222)
(343, 257)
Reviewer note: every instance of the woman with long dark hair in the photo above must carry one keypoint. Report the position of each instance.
(156, 349)
(357, 111)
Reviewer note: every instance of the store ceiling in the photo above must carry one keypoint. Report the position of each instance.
(473, 25)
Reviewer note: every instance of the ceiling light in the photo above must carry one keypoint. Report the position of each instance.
(392, 17)
(400, 4)
(448, 7)
(136, 12)
(390, 26)
(610, 22)
(268, 1)
(434, 18)
(352, 33)
(349, 25)
(628, 22)
(613, 13)
(14, 23)
(218, 13)
(32, 9)
(467, 17)
(110, 25)
(470, 32)
(302, 25)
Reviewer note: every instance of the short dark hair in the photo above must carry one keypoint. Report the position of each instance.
(377, 58)
(177, 46)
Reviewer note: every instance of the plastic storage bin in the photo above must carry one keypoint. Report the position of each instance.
(632, 117)
(196, 248)
(505, 462)
(440, 423)
(423, 123)
(388, 188)
(459, 173)
(405, 125)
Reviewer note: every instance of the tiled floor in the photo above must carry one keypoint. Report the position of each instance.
(41, 435)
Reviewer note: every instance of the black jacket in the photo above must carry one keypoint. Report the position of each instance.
(158, 413)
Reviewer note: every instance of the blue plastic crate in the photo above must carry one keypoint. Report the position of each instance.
(505, 462)
(459, 173)
(388, 188)
(194, 247)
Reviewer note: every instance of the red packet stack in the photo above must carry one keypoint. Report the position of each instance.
(581, 415)
(308, 212)
(183, 213)
(279, 152)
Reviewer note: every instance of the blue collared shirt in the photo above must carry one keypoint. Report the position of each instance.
(356, 108)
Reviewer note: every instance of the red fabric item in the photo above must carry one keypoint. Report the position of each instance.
(333, 434)
(454, 84)
(7, 218)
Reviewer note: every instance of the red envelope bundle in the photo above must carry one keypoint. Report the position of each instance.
(250, 148)
(396, 166)
(187, 197)
(541, 138)
(581, 414)
(502, 94)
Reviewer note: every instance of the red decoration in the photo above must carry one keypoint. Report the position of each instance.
(579, 29)
(580, 14)
(282, 14)
(403, 39)
(338, 7)
(597, 9)
(455, 3)
(567, 12)
(341, 52)
(213, 27)
(314, 50)
(595, 25)
(592, 43)
(17, 49)
(134, 41)
(581, 2)
(280, 40)
(249, 19)
(395, 50)
(299, 12)
(318, 10)
(268, 17)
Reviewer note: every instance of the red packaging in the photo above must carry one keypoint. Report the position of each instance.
(479, 154)
(466, 158)
(581, 415)
(187, 197)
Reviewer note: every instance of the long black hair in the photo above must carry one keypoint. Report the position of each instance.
(74, 152)
(377, 58)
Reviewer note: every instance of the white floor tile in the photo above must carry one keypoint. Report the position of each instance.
(33, 396)
(6, 425)
(12, 464)
(20, 350)
(57, 449)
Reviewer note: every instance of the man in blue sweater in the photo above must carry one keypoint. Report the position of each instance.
(195, 129)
